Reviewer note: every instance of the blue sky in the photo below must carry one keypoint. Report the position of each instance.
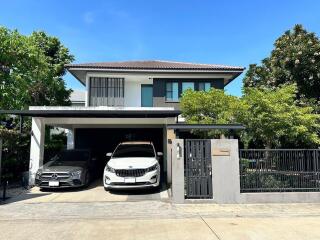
(224, 32)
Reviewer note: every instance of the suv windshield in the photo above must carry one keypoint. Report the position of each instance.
(70, 156)
(134, 150)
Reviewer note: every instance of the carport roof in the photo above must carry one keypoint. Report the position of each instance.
(94, 113)
(188, 127)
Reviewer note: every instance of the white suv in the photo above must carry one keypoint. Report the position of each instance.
(132, 165)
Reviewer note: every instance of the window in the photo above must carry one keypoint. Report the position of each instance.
(187, 85)
(106, 91)
(172, 91)
(204, 86)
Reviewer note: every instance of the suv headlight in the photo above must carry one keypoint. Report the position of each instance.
(109, 169)
(76, 174)
(153, 168)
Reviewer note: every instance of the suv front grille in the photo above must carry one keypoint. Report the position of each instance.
(54, 176)
(130, 172)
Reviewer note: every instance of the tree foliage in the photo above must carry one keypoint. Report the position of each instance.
(270, 116)
(295, 59)
(31, 70)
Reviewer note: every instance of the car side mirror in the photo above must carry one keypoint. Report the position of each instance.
(109, 154)
(160, 154)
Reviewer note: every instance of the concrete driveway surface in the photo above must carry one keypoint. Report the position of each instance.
(52, 215)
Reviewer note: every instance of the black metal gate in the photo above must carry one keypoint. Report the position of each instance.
(198, 169)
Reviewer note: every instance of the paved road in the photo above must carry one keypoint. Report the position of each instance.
(157, 220)
(97, 214)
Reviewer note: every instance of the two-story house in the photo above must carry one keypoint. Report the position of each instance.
(132, 100)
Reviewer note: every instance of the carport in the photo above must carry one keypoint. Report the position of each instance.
(100, 129)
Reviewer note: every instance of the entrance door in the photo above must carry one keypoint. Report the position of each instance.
(146, 95)
(198, 168)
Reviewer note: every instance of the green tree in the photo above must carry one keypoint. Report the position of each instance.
(212, 107)
(272, 116)
(295, 59)
(31, 70)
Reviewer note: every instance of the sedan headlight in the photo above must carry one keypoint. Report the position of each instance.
(76, 174)
(109, 169)
(38, 174)
(153, 168)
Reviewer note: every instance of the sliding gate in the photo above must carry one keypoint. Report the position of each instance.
(198, 169)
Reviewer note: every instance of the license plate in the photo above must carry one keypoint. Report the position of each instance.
(129, 180)
(53, 184)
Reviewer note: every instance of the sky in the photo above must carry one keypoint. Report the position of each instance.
(229, 32)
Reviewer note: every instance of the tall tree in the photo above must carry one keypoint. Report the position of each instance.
(271, 116)
(274, 117)
(31, 70)
(295, 59)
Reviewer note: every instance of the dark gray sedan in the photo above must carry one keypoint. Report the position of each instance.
(69, 168)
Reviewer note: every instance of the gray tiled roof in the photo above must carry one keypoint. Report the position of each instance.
(156, 65)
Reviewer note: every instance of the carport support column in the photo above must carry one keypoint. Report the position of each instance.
(70, 139)
(177, 171)
(225, 170)
(36, 148)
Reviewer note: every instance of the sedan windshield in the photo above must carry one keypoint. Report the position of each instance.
(70, 156)
(134, 150)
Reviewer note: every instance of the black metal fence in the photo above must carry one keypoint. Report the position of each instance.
(280, 170)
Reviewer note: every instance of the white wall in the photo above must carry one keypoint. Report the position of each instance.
(132, 91)
(132, 86)
(133, 81)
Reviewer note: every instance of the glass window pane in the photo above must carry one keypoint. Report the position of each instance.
(175, 92)
(207, 86)
(201, 86)
(187, 85)
(172, 91)
(204, 86)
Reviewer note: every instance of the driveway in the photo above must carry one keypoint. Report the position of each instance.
(154, 219)
(95, 193)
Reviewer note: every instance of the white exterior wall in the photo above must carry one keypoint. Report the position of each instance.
(132, 87)
(133, 81)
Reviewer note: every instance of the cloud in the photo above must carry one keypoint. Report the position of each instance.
(88, 17)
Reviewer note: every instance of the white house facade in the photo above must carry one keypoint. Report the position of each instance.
(132, 100)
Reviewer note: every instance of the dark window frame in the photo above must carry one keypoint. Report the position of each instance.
(105, 87)
(180, 81)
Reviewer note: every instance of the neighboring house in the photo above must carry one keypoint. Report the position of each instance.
(132, 100)
(78, 98)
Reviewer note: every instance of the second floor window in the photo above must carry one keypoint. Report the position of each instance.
(106, 91)
(204, 86)
(172, 91)
(187, 85)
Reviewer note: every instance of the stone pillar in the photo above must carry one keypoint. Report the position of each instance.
(36, 148)
(177, 171)
(225, 170)
(170, 135)
(70, 138)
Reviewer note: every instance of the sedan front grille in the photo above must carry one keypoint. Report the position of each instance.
(54, 176)
(130, 172)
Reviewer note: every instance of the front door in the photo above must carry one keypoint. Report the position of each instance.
(146, 95)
